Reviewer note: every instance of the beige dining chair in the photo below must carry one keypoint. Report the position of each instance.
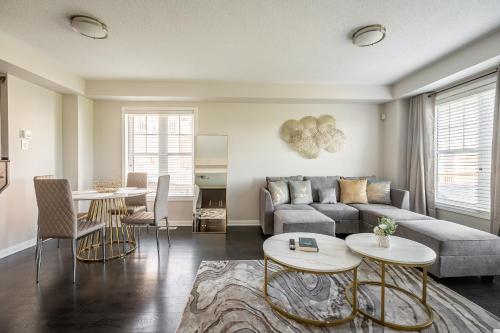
(57, 218)
(81, 216)
(160, 212)
(138, 203)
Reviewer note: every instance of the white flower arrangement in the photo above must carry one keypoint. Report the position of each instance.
(386, 227)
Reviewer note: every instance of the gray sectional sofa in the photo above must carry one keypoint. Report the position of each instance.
(461, 251)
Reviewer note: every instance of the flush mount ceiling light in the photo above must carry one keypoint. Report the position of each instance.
(89, 27)
(368, 35)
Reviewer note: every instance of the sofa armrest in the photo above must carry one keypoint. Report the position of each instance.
(400, 198)
(266, 214)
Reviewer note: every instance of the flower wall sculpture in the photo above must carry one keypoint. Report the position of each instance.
(309, 135)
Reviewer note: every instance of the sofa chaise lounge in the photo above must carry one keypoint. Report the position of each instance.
(461, 251)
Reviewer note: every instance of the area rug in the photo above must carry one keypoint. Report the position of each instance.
(227, 296)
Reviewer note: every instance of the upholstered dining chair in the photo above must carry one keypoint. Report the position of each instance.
(81, 216)
(160, 212)
(138, 203)
(57, 218)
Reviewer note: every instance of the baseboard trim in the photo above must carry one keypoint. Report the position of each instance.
(233, 223)
(180, 223)
(18, 247)
(242, 223)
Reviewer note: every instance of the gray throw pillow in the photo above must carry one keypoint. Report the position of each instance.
(279, 192)
(300, 192)
(327, 196)
(379, 191)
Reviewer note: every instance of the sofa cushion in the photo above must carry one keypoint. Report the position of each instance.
(327, 196)
(371, 216)
(275, 179)
(300, 192)
(369, 206)
(279, 192)
(450, 239)
(353, 191)
(319, 182)
(303, 221)
(293, 207)
(379, 191)
(337, 211)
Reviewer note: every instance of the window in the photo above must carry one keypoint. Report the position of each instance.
(160, 143)
(464, 130)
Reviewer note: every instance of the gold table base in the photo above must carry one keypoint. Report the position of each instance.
(109, 210)
(315, 322)
(422, 301)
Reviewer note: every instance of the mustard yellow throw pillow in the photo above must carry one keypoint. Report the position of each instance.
(353, 191)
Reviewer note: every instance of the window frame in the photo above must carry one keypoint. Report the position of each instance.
(127, 110)
(472, 88)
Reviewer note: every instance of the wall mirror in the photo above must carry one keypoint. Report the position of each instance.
(4, 135)
(209, 206)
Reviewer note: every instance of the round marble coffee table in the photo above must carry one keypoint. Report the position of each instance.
(333, 258)
(402, 252)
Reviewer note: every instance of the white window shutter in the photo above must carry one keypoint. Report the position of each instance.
(464, 129)
(160, 144)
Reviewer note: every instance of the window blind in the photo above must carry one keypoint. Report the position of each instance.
(464, 130)
(161, 144)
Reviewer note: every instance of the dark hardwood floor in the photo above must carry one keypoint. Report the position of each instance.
(139, 294)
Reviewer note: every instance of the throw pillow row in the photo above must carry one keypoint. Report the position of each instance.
(351, 191)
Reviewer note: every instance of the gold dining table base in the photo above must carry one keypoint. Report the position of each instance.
(120, 239)
(300, 319)
(422, 301)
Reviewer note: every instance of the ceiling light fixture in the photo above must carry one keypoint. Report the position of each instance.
(89, 27)
(369, 35)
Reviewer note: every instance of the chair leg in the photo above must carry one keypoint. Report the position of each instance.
(139, 236)
(157, 241)
(168, 236)
(73, 250)
(58, 244)
(103, 241)
(39, 259)
(37, 243)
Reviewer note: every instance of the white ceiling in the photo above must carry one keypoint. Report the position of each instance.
(304, 41)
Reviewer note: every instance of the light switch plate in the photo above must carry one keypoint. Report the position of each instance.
(25, 144)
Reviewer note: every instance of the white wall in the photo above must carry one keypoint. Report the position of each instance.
(39, 110)
(255, 149)
(393, 138)
(85, 143)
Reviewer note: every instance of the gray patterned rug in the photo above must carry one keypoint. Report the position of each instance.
(227, 297)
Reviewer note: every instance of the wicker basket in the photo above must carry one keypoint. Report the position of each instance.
(107, 186)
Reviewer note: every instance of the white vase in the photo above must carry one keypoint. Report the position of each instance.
(383, 241)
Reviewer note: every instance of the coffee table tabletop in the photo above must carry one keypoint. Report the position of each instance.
(333, 256)
(402, 251)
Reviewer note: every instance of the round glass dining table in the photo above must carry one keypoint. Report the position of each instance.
(109, 208)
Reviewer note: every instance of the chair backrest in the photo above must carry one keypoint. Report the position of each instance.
(161, 200)
(56, 213)
(44, 177)
(137, 179)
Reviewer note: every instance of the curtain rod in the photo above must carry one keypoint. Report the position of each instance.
(464, 82)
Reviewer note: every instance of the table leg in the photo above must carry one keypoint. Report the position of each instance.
(424, 284)
(265, 275)
(355, 291)
(382, 293)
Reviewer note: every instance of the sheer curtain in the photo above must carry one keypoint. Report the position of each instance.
(495, 164)
(420, 154)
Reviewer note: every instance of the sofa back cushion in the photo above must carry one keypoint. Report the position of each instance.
(353, 191)
(300, 192)
(323, 182)
(286, 179)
